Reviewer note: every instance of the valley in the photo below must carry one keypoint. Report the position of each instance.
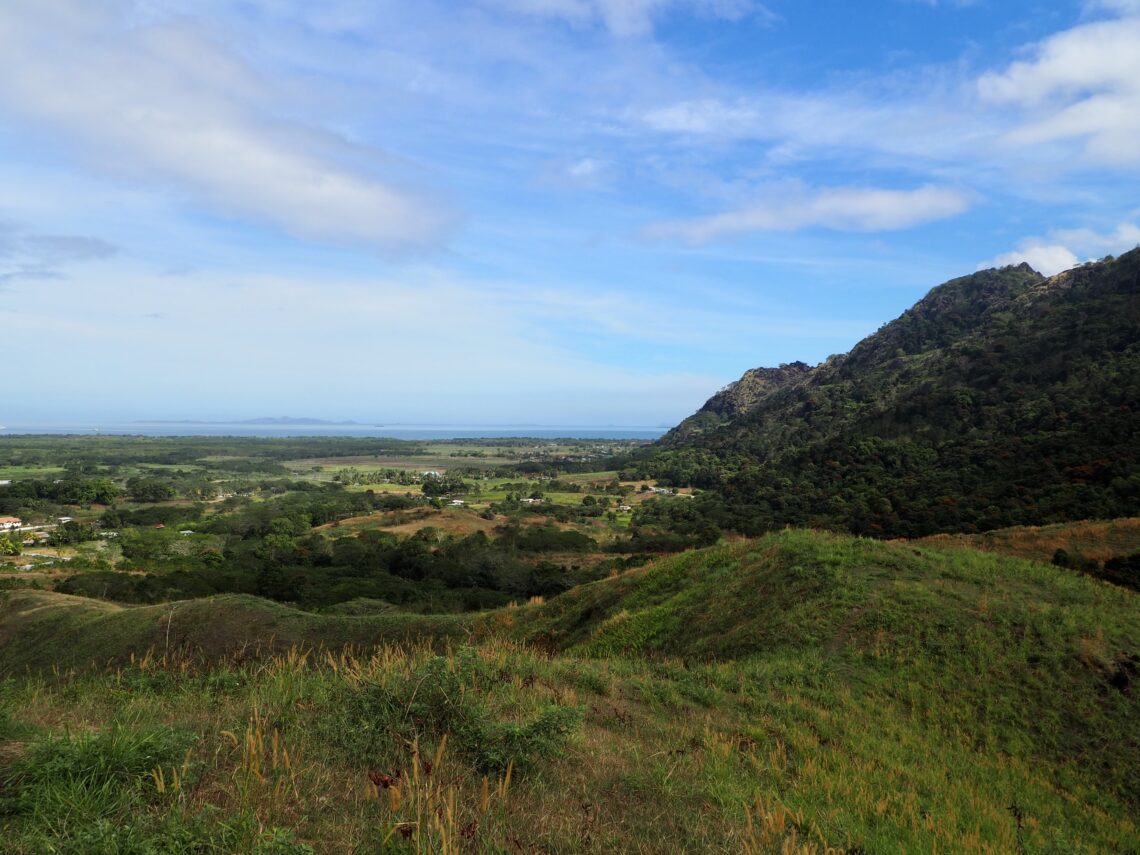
(836, 610)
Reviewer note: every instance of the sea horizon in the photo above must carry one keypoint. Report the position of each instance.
(393, 431)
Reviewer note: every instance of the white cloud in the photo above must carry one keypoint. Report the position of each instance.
(166, 103)
(926, 120)
(636, 17)
(1124, 7)
(858, 209)
(1064, 248)
(1124, 237)
(1080, 84)
(706, 116)
(1078, 89)
(584, 169)
(1049, 259)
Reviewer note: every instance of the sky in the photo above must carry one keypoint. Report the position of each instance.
(565, 212)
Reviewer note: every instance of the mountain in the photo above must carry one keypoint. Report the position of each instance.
(1001, 398)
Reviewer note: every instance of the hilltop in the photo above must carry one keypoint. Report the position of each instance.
(45, 630)
(1001, 398)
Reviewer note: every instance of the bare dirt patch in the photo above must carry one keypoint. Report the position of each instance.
(451, 521)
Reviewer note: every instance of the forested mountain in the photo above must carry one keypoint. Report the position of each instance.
(1001, 398)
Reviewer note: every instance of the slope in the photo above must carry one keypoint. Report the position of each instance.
(783, 694)
(1028, 659)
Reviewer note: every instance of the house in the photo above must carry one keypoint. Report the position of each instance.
(624, 508)
(457, 503)
(9, 523)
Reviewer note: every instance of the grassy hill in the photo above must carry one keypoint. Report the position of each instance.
(42, 630)
(1002, 398)
(1083, 541)
(786, 694)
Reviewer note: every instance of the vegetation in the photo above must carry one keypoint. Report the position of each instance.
(139, 520)
(793, 693)
(1107, 550)
(1002, 398)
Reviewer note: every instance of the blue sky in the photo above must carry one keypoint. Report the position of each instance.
(550, 211)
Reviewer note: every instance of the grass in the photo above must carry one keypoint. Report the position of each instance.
(42, 631)
(798, 693)
(13, 473)
(1093, 539)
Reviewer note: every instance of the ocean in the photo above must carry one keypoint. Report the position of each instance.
(396, 431)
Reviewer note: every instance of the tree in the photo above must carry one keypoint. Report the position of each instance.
(10, 544)
(72, 532)
(150, 489)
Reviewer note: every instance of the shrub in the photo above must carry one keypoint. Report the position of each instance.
(446, 695)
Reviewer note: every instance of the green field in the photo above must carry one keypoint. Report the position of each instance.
(10, 472)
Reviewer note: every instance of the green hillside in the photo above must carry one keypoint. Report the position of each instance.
(1002, 398)
(786, 694)
(44, 631)
(1021, 655)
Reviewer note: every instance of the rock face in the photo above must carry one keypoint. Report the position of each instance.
(740, 398)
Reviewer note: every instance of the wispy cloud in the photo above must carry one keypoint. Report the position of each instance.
(228, 141)
(636, 17)
(30, 256)
(63, 248)
(1124, 237)
(708, 116)
(430, 364)
(858, 209)
(927, 123)
(1081, 84)
(166, 103)
(1072, 102)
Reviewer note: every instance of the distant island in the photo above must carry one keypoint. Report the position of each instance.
(263, 420)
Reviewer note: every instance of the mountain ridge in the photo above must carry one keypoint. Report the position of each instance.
(1000, 398)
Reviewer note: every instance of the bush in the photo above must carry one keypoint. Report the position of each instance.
(445, 695)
